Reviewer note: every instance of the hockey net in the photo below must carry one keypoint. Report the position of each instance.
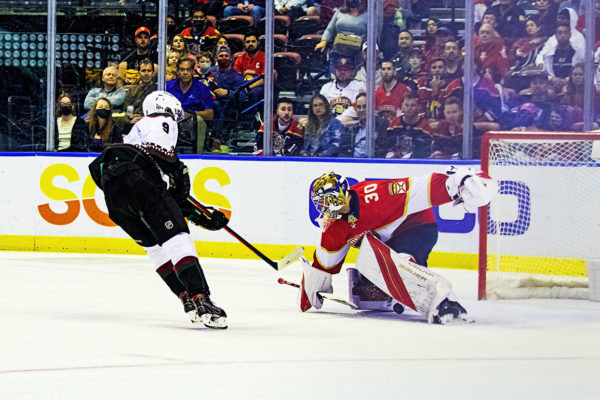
(543, 227)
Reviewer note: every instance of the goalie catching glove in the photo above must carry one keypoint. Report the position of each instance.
(470, 188)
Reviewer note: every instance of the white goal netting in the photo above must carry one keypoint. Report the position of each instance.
(544, 225)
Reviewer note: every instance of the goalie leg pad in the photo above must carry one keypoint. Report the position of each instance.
(410, 284)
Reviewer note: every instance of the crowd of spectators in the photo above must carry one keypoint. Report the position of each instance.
(528, 75)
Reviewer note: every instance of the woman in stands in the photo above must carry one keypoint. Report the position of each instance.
(101, 127)
(349, 19)
(71, 132)
(526, 49)
(572, 94)
(179, 45)
(323, 132)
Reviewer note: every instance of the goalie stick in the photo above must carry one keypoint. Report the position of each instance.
(328, 296)
(276, 265)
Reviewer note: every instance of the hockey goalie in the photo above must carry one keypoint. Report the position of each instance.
(392, 223)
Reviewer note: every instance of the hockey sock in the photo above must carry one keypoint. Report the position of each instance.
(168, 275)
(189, 272)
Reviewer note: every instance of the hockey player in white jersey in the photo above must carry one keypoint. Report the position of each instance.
(370, 214)
(146, 188)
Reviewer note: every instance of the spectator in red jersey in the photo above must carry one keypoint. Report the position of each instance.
(408, 135)
(389, 96)
(252, 64)
(201, 36)
(490, 49)
(288, 134)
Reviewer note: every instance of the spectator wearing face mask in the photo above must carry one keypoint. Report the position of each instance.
(201, 35)
(226, 81)
(70, 129)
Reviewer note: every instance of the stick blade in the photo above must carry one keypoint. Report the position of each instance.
(290, 258)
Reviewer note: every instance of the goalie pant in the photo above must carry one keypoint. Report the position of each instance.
(380, 207)
(139, 202)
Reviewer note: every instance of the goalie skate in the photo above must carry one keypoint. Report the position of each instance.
(208, 313)
(451, 312)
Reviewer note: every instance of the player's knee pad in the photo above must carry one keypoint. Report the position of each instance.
(179, 246)
(158, 256)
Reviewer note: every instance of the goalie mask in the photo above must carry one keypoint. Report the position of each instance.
(329, 193)
(160, 102)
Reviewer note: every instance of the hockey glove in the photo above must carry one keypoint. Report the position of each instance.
(470, 187)
(213, 222)
(179, 183)
(313, 281)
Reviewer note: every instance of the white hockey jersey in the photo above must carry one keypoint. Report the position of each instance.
(157, 134)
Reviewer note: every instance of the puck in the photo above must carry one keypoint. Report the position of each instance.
(398, 308)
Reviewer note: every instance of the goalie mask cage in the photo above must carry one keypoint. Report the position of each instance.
(543, 226)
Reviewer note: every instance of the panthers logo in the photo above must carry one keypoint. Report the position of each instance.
(397, 188)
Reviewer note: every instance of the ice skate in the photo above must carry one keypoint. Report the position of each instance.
(188, 307)
(449, 312)
(208, 313)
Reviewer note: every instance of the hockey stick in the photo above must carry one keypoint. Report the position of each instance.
(328, 296)
(277, 265)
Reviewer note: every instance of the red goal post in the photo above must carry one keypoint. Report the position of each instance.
(542, 229)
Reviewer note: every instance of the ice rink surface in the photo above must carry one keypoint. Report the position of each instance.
(106, 327)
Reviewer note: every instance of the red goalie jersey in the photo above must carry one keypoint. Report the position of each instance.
(383, 207)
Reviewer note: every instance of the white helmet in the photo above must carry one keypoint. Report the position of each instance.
(161, 102)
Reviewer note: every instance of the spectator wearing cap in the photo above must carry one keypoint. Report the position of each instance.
(129, 66)
(400, 59)
(361, 74)
(252, 64)
(195, 99)
(539, 93)
(201, 35)
(287, 134)
(510, 18)
(226, 81)
(342, 91)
